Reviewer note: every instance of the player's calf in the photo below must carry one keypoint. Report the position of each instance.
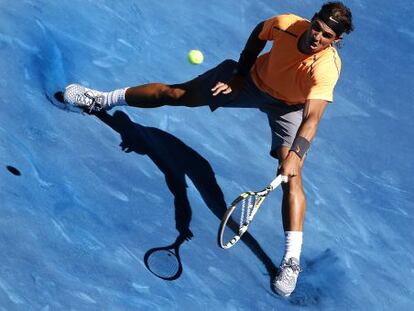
(154, 95)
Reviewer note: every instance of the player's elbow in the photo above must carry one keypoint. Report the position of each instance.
(312, 121)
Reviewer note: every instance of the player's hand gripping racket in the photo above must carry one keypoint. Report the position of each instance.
(241, 212)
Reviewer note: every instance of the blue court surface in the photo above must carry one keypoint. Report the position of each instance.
(84, 198)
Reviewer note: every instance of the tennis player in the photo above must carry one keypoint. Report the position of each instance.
(292, 83)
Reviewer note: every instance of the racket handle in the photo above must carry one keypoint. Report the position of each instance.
(278, 180)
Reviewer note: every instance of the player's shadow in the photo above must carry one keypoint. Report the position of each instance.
(176, 160)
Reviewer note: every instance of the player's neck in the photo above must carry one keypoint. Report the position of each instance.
(302, 45)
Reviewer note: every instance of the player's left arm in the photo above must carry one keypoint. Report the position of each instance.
(246, 61)
(312, 115)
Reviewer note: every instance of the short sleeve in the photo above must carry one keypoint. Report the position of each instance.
(322, 86)
(267, 32)
(280, 22)
(325, 76)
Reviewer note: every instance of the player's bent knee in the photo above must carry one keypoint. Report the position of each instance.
(173, 93)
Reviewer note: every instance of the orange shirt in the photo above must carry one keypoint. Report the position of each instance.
(289, 75)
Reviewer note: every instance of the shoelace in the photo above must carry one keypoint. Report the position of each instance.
(288, 270)
(295, 267)
(94, 103)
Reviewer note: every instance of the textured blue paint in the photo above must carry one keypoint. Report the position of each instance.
(75, 225)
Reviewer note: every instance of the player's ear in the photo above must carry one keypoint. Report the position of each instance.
(337, 42)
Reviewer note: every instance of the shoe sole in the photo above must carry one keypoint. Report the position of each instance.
(280, 293)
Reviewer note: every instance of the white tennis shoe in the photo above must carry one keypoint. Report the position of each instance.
(285, 281)
(81, 97)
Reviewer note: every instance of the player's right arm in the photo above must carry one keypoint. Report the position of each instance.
(246, 61)
(312, 115)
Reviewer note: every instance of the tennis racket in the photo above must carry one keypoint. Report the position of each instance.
(165, 262)
(241, 212)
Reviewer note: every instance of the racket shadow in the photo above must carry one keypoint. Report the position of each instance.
(176, 160)
(165, 262)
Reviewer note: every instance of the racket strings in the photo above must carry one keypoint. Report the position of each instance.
(252, 207)
(240, 214)
(238, 221)
(243, 212)
(247, 208)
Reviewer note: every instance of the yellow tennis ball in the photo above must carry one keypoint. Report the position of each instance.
(195, 57)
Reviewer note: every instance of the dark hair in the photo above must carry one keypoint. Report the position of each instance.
(340, 13)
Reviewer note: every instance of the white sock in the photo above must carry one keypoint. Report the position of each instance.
(293, 244)
(115, 98)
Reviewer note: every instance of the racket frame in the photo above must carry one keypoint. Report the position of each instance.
(259, 197)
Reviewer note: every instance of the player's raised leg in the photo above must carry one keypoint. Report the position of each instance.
(193, 93)
(144, 96)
